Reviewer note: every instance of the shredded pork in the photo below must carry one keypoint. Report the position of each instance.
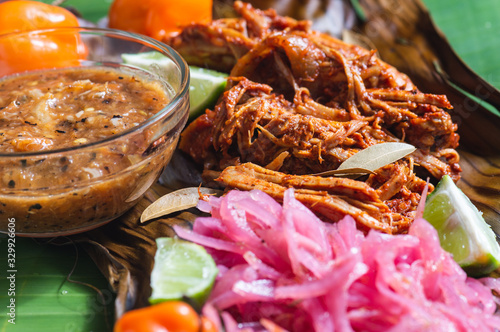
(301, 102)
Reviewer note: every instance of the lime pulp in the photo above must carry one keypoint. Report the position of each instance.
(181, 270)
(462, 230)
(205, 88)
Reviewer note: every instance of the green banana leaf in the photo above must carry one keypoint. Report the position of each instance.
(472, 29)
(52, 288)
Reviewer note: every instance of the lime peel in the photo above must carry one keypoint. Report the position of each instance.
(462, 229)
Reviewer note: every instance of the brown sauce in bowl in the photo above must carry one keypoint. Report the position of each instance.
(65, 108)
(68, 191)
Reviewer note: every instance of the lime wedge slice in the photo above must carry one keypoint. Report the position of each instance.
(205, 88)
(181, 269)
(205, 85)
(462, 229)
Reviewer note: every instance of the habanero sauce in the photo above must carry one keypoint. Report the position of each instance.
(62, 112)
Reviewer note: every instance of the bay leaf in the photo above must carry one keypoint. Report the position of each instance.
(175, 201)
(376, 156)
(344, 172)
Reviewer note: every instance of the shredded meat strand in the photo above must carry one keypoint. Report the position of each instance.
(317, 193)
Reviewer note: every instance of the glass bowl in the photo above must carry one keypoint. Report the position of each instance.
(68, 190)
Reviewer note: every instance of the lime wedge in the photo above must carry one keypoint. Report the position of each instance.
(205, 88)
(205, 85)
(462, 229)
(181, 269)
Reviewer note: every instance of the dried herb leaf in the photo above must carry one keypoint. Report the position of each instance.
(178, 200)
(370, 159)
(343, 172)
(376, 156)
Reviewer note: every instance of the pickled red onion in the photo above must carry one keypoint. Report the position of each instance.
(282, 265)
